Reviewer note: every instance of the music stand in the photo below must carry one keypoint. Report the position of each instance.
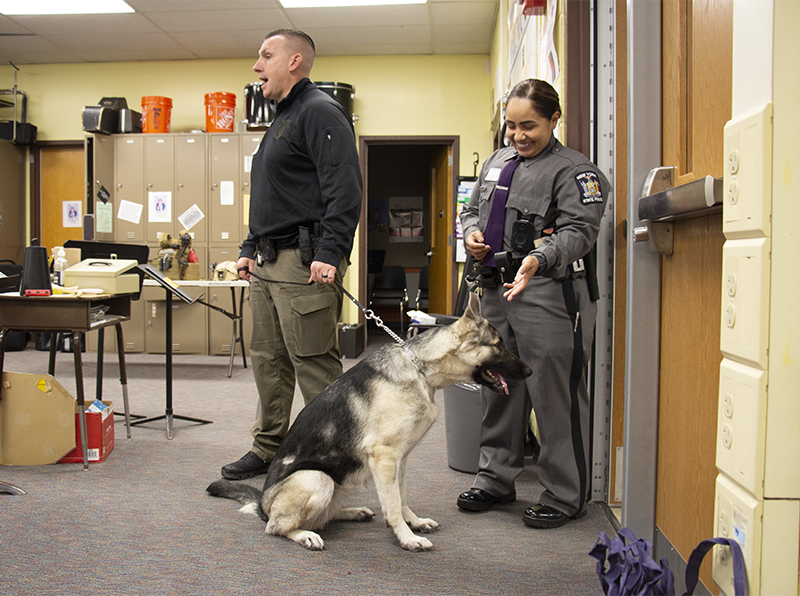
(172, 289)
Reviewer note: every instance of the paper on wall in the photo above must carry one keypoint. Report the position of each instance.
(226, 192)
(191, 217)
(159, 206)
(103, 217)
(130, 211)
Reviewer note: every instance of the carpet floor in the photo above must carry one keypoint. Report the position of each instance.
(141, 522)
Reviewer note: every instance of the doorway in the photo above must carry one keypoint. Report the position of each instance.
(408, 217)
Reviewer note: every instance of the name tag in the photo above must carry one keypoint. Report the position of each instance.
(493, 175)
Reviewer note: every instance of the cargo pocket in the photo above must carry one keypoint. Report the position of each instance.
(311, 320)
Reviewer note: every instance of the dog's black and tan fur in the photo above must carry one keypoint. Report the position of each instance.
(366, 423)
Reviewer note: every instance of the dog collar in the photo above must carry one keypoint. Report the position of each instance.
(413, 357)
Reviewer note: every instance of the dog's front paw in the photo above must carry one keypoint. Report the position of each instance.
(417, 544)
(309, 540)
(424, 525)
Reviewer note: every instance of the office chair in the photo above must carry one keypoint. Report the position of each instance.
(421, 301)
(389, 289)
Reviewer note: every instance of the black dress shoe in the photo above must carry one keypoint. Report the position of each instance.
(248, 466)
(545, 517)
(476, 499)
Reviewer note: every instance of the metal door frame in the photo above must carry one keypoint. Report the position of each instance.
(643, 287)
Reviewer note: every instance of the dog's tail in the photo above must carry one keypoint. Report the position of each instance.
(247, 495)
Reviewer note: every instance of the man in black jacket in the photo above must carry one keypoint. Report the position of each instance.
(304, 209)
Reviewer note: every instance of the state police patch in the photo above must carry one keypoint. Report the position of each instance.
(589, 187)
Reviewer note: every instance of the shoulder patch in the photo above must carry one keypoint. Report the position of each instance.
(589, 187)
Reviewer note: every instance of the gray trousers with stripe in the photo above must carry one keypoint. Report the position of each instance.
(537, 326)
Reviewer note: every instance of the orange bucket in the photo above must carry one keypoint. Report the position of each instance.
(156, 112)
(220, 108)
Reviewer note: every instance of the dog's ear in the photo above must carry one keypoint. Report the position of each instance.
(473, 310)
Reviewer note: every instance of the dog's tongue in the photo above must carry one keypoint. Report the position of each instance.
(502, 382)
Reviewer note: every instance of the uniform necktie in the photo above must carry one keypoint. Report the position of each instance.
(493, 236)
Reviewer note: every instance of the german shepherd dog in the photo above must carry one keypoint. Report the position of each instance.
(367, 422)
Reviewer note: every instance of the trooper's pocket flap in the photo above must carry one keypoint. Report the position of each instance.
(304, 305)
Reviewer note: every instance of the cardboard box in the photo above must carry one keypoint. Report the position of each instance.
(99, 435)
(36, 420)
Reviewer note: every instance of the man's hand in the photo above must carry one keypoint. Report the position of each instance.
(322, 273)
(475, 246)
(244, 266)
(528, 268)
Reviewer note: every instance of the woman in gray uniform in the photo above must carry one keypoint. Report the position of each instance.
(532, 220)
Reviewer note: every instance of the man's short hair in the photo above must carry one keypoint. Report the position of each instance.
(295, 34)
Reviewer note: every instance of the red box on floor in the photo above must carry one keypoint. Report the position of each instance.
(99, 434)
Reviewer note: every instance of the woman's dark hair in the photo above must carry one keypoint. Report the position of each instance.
(541, 95)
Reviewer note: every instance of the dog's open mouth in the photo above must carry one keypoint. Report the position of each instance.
(491, 379)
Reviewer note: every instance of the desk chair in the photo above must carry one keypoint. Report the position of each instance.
(421, 301)
(390, 289)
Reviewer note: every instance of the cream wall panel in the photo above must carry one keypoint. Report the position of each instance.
(783, 425)
(395, 95)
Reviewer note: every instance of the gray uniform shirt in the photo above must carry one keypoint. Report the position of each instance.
(559, 188)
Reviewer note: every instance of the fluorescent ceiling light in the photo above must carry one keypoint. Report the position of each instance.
(41, 7)
(336, 3)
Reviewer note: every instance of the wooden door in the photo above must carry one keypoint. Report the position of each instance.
(442, 218)
(696, 100)
(62, 180)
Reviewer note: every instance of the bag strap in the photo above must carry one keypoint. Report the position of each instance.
(739, 570)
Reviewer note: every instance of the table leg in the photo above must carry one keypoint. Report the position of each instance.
(101, 336)
(76, 350)
(3, 333)
(51, 365)
(123, 377)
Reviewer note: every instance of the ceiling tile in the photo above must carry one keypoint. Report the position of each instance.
(219, 20)
(368, 16)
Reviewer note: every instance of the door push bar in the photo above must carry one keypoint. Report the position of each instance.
(662, 203)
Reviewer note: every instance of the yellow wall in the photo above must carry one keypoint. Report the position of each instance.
(395, 95)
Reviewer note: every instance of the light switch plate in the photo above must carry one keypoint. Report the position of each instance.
(744, 329)
(741, 423)
(748, 175)
(737, 514)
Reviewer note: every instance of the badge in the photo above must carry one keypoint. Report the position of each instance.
(589, 187)
(493, 175)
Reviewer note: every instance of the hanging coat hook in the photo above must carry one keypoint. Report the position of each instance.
(475, 164)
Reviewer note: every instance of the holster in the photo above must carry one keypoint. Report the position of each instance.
(308, 240)
(267, 250)
(485, 277)
(590, 262)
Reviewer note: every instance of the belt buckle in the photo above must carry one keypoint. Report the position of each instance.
(577, 266)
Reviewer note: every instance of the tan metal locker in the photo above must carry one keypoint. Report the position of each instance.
(192, 184)
(225, 197)
(132, 334)
(220, 327)
(159, 175)
(129, 197)
(99, 151)
(250, 142)
(189, 323)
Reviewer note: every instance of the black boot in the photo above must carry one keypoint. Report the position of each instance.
(248, 466)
